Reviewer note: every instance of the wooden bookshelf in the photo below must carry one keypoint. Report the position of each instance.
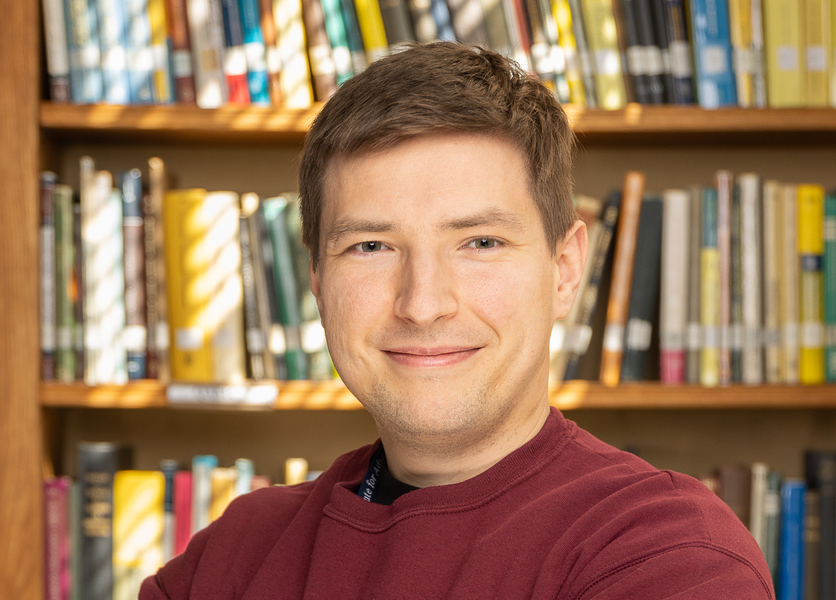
(573, 395)
(634, 124)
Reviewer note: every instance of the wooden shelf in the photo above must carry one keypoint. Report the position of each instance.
(635, 124)
(573, 395)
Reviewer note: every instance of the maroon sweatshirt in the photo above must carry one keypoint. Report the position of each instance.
(566, 516)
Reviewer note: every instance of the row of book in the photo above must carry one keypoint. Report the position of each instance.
(146, 282)
(729, 283)
(598, 53)
(113, 526)
(793, 520)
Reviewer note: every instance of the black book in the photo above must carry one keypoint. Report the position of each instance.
(680, 51)
(660, 30)
(653, 65)
(820, 473)
(635, 52)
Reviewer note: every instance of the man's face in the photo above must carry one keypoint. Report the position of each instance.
(437, 288)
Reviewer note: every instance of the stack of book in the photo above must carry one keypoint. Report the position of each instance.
(597, 53)
(741, 273)
(178, 285)
(113, 526)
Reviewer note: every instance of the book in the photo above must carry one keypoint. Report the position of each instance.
(542, 58)
(652, 53)
(338, 37)
(621, 43)
(736, 490)
(817, 56)
(396, 23)
(56, 562)
(644, 293)
(772, 507)
(235, 57)
(78, 286)
(271, 52)
(771, 281)
(140, 55)
(297, 91)
(810, 249)
(223, 490)
(736, 329)
(423, 22)
(752, 284)
(202, 466)
(584, 54)
(206, 28)
(694, 332)
(182, 69)
(820, 477)
(716, 85)
(57, 51)
(46, 239)
(829, 274)
(112, 27)
(812, 544)
(566, 34)
(354, 38)
(496, 27)
(65, 285)
(789, 284)
(723, 181)
(323, 70)
(244, 473)
(183, 485)
(169, 468)
(740, 30)
(758, 54)
(636, 67)
(782, 20)
(133, 235)
(757, 503)
(370, 19)
(255, 52)
(662, 39)
(673, 310)
(790, 581)
(599, 23)
(679, 46)
(709, 292)
(98, 464)
(275, 338)
(138, 523)
(622, 275)
(156, 310)
(85, 56)
(160, 43)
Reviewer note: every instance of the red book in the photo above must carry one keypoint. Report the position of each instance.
(56, 539)
(182, 510)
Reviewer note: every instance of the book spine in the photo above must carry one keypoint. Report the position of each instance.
(323, 70)
(92, 198)
(652, 53)
(574, 79)
(423, 23)
(661, 36)
(78, 285)
(816, 36)
(182, 70)
(771, 282)
(140, 55)
(255, 51)
(113, 365)
(112, 27)
(784, 53)
(812, 544)
(789, 282)
(757, 511)
(255, 342)
(469, 21)
(235, 57)
(97, 466)
(716, 85)
(261, 290)
(223, 490)
(182, 510)
(810, 250)
(758, 54)
(636, 67)
(56, 539)
(169, 469)
(133, 233)
(275, 338)
(160, 46)
(752, 284)
(740, 30)
(600, 25)
(396, 23)
(680, 50)
(693, 331)
(354, 38)
(723, 183)
(622, 276)
(736, 328)
(673, 311)
(829, 274)
(584, 54)
(47, 275)
(206, 27)
(820, 476)
(156, 314)
(709, 292)
(644, 294)
(336, 30)
(372, 30)
(244, 473)
(772, 508)
(202, 466)
(271, 52)
(65, 295)
(791, 561)
(541, 56)
(496, 27)
(297, 90)
(85, 56)
(57, 51)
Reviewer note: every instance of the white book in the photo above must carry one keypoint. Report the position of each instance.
(752, 291)
(207, 38)
(295, 76)
(788, 236)
(202, 466)
(758, 512)
(771, 281)
(57, 51)
(673, 301)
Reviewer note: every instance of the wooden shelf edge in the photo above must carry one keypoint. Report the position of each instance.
(572, 395)
(635, 123)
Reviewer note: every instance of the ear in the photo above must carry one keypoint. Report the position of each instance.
(315, 286)
(570, 259)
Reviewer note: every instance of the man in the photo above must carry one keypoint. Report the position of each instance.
(436, 191)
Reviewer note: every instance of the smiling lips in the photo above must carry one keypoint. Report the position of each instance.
(430, 357)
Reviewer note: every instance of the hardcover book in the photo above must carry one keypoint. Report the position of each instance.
(716, 85)
(810, 250)
(600, 26)
(782, 21)
(829, 273)
(789, 284)
(673, 310)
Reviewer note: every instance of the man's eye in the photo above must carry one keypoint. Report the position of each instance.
(369, 247)
(484, 243)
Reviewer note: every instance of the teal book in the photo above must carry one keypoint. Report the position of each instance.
(829, 271)
(335, 27)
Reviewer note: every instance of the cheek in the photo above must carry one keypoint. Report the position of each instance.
(509, 295)
(351, 304)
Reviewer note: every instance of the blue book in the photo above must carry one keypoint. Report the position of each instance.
(112, 28)
(716, 85)
(85, 56)
(133, 234)
(791, 554)
(140, 53)
(441, 14)
(256, 52)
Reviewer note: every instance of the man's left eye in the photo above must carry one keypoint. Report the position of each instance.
(370, 247)
(484, 243)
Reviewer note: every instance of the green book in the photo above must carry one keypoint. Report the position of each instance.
(65, 295)
(829, 270)
(335, 27)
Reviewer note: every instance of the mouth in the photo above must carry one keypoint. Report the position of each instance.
(431, 357)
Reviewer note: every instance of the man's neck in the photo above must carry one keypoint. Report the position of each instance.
(425, 463)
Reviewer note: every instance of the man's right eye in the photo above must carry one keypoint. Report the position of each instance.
(369, 247)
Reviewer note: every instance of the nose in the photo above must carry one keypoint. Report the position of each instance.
(426, 290)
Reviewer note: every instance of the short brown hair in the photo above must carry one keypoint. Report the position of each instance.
(435, 88)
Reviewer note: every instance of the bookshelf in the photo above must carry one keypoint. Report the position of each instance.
(40, 422)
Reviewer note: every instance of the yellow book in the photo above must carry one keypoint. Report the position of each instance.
(810, 250)
(783, 29)
(817, 57)
(710, 292)
(563, 17)
(159, 43)
(599, 23)
(832, 50)
(740, 28)
(371, 29)
(294, 77)
(788, 286)
(137, 529)
(223, 490)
